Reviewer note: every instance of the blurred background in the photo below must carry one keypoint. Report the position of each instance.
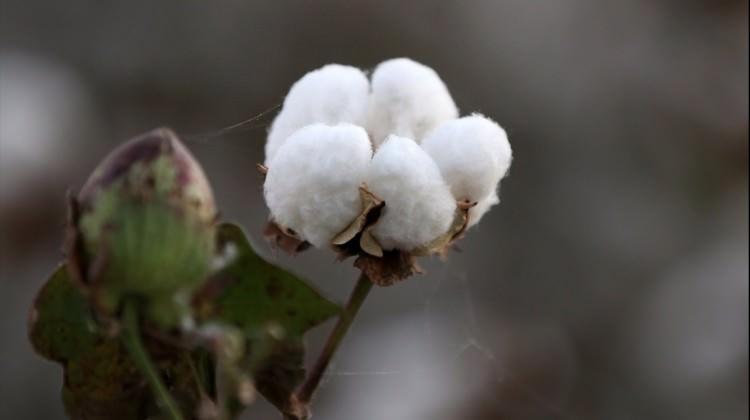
(612, 281)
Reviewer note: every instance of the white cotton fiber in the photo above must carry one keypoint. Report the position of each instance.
(312, 184)
(330, 95)
(482, 207)
(473, 155)
(418, 204)
(408, 99)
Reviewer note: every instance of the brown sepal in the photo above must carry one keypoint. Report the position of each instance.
(356, 239)
(389, 269)
(444, 242)
(284, 238)
(372, 205)
(369, 244)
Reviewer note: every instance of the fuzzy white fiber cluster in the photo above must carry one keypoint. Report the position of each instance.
(331, 95)
(418, 204)
(408, 99)
(482, 207)
(473, 154)
(313, 184)
(320, 150)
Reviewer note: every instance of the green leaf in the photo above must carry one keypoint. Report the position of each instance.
(100, 380)
(280, 372)
(257, 295)
(273, 308)
(61, 326)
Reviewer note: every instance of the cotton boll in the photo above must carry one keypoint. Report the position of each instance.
(482, 207)
(312, 185)
(331, 95)
(408, 99)
(418, 204)
(473, 154)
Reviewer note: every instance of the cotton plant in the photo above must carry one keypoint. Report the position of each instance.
(383, 169)
(161, 310)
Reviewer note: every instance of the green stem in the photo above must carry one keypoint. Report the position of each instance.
(197, 376)
(305, 393)
(131, 337)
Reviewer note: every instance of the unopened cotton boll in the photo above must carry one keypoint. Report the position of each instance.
(330, 95)
(312, 185)
(408, 99)
(473, 154)
(418, 204)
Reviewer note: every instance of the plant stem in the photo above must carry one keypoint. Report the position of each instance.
(131, 337)
(305, 393)
(197, 376)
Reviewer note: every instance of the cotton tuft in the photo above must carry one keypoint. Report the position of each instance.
(473, 154)
(418, 204)
(330, 95)
(482, 207)
(408, 99)
(312, 184)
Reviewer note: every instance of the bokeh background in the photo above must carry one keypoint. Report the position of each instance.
(612, 281)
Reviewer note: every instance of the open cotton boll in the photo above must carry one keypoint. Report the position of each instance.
(418, 204)
(482, 207)
(313, 183)
(473, 154)
(408, 99)
(330, 95)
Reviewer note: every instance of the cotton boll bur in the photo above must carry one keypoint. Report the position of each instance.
(330, 95)
(418, 204)
(473, 154)
(312, 185)
(408, 99)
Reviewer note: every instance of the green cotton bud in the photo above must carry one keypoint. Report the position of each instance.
(145, 228)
